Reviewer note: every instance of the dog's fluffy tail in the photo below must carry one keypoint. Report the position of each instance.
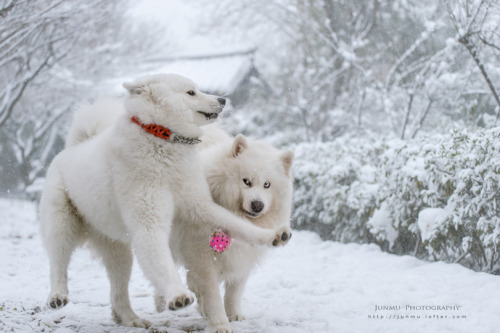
(90, 120)
(213, 134)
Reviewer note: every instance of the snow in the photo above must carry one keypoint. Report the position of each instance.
(429, 220)
(415, 167)
(380, 224)
(308, 286)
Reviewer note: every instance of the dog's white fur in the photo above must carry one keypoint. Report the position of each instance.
(121, 189)
(239, 171)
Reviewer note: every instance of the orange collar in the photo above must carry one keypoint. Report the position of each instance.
(164, 133)
(154, 129)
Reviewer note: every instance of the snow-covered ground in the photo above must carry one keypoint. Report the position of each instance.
(308, 286)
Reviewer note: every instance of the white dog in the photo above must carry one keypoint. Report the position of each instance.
(121, 189)
(253, 180)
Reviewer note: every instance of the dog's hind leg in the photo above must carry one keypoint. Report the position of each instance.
(232, 298)
(117, 258)
(62, 232)
(205, 284)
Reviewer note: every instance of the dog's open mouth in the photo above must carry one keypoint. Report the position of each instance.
(250, 214)
(209, 115)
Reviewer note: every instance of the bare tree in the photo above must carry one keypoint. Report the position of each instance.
(52, 53)
(34, 35)
(32, 139)
(361, 66)
(476, 22)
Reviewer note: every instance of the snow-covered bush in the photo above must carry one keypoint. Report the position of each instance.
(336, 185)
(437, 197)
(403, 191)
(470, 175)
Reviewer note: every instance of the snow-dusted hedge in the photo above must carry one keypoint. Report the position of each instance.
(436, 197)
(335, 188)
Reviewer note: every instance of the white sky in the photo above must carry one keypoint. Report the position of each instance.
(181, 18)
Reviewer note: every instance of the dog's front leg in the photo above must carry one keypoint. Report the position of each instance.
(149, 220)
(220, 217)
(155, 258)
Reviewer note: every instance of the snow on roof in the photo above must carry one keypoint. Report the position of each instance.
(219, 75)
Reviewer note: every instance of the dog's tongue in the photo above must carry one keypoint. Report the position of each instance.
(220, 241)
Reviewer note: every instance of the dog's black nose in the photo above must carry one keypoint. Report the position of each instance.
(257, 206)
(222, 101)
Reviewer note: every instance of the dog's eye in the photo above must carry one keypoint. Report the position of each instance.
(267, 185)
(247, 182)
(191, 93)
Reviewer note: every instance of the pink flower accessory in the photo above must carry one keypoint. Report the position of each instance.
(220, 241)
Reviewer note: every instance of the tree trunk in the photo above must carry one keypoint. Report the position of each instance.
(465, 41)
(407, 118)
(422, 119)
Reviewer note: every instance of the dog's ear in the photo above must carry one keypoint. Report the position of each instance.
(239, 144)
(287, 160)
(134, 88)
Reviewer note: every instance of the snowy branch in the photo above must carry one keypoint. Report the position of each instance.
(12, 96)
(467, 27)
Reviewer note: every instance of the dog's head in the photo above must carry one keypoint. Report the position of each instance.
(172, 101)
(253, 179)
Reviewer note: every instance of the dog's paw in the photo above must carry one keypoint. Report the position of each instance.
(137, 322)
(57, 301)
(226, 328)
(160, 303)
(180, 302)
(282, 237)
(236, 317)
(130, 320)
